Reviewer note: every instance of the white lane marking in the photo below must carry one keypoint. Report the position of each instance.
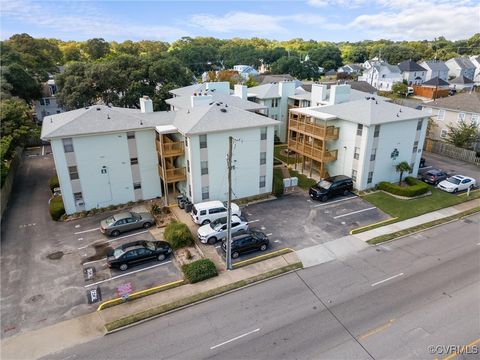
(80, 239)
(390, 278)
(43, 150)
(425, 167)
(77, 226)
(216, 247)
(85, 231)
(276, 241)
(114, 239)
(269, 234)
(336, 201)
(235, 338)
(354, 212)
(253, 221)
(93, 261)
(129, 273)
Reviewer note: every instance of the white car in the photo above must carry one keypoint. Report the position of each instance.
(209, 211)
(456, 183)
(217, 230)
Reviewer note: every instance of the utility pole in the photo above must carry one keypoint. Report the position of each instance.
(228, 254)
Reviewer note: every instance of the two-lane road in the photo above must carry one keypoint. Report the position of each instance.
(390, 302)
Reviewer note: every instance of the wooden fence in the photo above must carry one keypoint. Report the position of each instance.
(440, 147)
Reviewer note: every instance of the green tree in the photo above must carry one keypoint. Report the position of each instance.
(401, 168)
(400, 88)
(296, 68)
(463, 135)
(14, 113)
(22, 83)
(76, 87)
(326, 55)
(96, 48)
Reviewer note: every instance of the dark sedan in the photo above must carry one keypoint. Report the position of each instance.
(137, 252)
(247, 241)
(434, 176)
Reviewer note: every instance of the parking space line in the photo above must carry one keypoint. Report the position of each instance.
(114, 239)
(85, 231)
(43, 150)
(129, 273)
(390, 278)
(216, 247)
(269, 234)
(235, 338)
(354, 212)
(94, 261)
(336, 201)
(249, 222)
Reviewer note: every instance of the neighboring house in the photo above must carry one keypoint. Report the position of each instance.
(462, 66)
(359, 139)
(462, 83)
(435, 68)
(412, 73)
(450, 111)
(47, 105)
(268, 79)
(222, 87)
(108, 155)
(350, 69)
(382, 76)
(245, 71)
(432, 89)
(476, 62)
(372, 62)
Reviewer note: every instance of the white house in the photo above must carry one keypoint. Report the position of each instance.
(435, 68)
(382, 76)
(245, 71)
(462, 83)
(412, 73)
(364, 139)
(47, 105)
(372, 62)
(475, 59)
(107, 155)
(350, 69)
(462, 66)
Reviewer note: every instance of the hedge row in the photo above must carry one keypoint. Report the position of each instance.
(199, 270)
(56, 208)
(415, 188)
(178, 235)
(277, 182)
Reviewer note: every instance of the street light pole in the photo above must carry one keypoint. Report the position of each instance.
(228, 254)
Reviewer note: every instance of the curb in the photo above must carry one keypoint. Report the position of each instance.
(259, 258)
(377, 223)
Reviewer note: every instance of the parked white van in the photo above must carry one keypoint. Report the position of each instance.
(206, 212)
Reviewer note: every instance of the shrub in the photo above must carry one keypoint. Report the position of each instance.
(199, 270)
(54, 183)
(415, 188)
(56, 208)
(155, 209)
(277, 188)
(178, 235)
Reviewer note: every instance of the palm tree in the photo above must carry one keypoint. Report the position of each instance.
(401, 168)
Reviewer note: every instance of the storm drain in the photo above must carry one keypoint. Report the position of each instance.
(57, 255)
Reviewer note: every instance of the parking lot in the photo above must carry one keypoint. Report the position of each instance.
(450, 166)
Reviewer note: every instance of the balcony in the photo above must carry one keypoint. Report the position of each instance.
(317, 131)
(172, 174)
(312, 152)
(170, 148)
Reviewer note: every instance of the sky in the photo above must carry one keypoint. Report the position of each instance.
(321, 20)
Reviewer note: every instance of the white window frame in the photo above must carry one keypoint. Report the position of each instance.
(205, 193)
(262, 181)
(204, 167)
(475, 119)
(441, 114)
(460, 117)
(444, 133)
(263, 158)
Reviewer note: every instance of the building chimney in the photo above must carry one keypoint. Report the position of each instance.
(146, 104)
(286, 89)
(339, 94)
(319, 94)
(241, 91)
(201, 100)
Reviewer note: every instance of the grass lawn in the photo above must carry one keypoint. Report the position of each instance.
(405, 209)
(303, 181)
(276, 151)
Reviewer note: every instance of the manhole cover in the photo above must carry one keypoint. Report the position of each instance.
(35, 298)
(57, 255)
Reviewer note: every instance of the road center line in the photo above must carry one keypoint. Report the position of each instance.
(377, 330)
(390, 278)
(114, 239)
(336, 201)
(354, 212)
(129, 273)
(235, 338)
(85, 231)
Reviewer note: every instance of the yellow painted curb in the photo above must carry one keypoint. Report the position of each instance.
(366, 226)
(258, 258)
(139, 293)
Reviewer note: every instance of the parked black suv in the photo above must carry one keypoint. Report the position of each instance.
(136, 252)
(327, 188)
(247, 241)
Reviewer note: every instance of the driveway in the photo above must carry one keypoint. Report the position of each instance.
(450, 166)
(42, 261)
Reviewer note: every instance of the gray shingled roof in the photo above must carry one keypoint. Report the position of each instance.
(184, 102)
(461, 80)
(266, 79)
(436, 81)
(468, 102)
(266, 91)
(369, 112)
(435, 65)
(464, 63)
(409, 65)
(189, 90)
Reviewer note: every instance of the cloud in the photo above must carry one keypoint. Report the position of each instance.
(83, 19)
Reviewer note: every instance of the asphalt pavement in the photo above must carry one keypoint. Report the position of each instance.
(407, 299)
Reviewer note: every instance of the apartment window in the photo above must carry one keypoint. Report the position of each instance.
(370, 177)
(376, 132)
(188, 166)
(205, 194)
(263, 133)
(415, 147)
(356, 154)
(133, 161)
(131, 135)
(475, 119)
(203, 141)
(67, 145)
(354, 175)
(73, 172)
(275, 102)
(373, 155)
(77, 196)
(262, 181)
(419, 124)
(137, 185)
(461, 117)
(186, 142)
(443, 133)
(263, 158)
(359, 129)
(204, 167)
(189, 190)
(441, 114)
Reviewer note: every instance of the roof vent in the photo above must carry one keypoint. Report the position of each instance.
(367, 97)
(223, 110)
(373, 98)
(108, 116)
(98, 109)
(398, 115)
(376, 102)
(218, 104)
